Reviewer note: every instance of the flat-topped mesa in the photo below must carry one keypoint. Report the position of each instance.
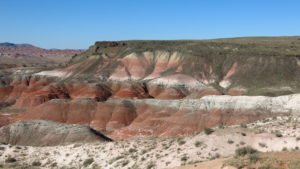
(106, 44)
(106, 47)
(174, 70)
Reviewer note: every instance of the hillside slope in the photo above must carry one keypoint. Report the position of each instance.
(255, 66)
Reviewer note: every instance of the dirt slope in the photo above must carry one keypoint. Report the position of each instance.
(46, 133)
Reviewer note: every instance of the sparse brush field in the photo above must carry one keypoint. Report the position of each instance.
(152, 152)
(269, 160)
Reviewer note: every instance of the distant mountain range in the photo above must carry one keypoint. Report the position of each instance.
(7, 44)
(27, 54)
(28, 49)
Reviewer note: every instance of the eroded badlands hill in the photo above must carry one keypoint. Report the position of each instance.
(161, 88)
(47, 133)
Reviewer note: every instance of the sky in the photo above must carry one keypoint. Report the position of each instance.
(77, 24)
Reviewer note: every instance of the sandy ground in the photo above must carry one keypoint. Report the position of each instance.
(272, 134)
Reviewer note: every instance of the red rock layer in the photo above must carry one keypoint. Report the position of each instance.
(129, 119)
(30, 91)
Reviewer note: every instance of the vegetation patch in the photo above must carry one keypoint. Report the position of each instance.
(88, 162)
(208, 131)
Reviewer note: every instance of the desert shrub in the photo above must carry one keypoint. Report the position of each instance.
(243, 134)
(87, 162)
(117, 158)
(181, 141)
(54, 164)
(151, 165)
(221, 127)
(198, 143)
(217, 155)
(184, 158)
(208, 131)
(132, 150)
(230, 141)
(125, 162)
(245, 150)
(242, 143)
(243, 125)
(253, 158)
(262, 144)
(277, 133)
(10, 160)
(36, 163)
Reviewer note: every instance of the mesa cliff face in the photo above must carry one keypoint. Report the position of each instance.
(161, 88)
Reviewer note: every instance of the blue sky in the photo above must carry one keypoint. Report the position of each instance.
(79, 23)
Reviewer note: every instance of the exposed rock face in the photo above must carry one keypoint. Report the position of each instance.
(46, 133)
(161, 88)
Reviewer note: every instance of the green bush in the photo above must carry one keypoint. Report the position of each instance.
(198, 143)
(10, 160)
(253, 158)
(181, 141)
(278, 134)
(36, 163)
(124, 163)
(151, 165)
(132, 150)
(245, 150)
(184, 158)
(243, 125)
(208, 131)
(262, 144)
(230, 141)
(87, 162)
